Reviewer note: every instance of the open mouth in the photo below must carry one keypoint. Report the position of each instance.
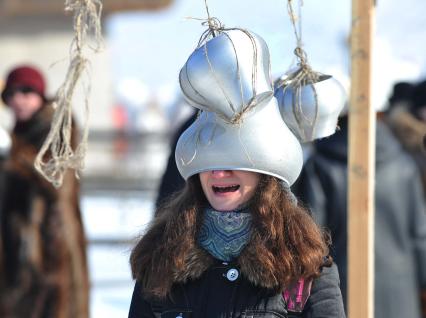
(225, 189)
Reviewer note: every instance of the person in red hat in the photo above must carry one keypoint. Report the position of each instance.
(43, 268)
(24, 92)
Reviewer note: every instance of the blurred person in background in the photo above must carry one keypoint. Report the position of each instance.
(171, 180)
(43, 262)
(419, 101)
(400, 217)
(407, 118)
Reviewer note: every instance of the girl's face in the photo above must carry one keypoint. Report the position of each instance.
(226, 190)
(24, 103)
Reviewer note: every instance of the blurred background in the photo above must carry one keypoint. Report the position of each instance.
(135, 101)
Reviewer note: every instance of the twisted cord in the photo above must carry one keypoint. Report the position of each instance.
(304, 77)
(87, 16)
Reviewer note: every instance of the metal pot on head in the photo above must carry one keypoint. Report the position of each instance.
(230, 72)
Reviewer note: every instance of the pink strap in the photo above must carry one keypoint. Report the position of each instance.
(297, 294)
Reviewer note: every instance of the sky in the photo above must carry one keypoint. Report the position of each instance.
(148, 49)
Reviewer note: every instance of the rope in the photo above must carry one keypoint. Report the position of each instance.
(303, 77)
(212, 23)
(87, 20)
(294, 19)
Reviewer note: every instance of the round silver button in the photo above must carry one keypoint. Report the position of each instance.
(232, 274)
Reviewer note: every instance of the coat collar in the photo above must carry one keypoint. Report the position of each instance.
(199, 261)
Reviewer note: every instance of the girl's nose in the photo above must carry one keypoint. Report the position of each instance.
(221, 173)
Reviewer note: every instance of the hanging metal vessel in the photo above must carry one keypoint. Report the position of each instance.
(311, 108)
(228, 74)
(261, 143)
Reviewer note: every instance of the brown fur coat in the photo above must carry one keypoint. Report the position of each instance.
(42, 243)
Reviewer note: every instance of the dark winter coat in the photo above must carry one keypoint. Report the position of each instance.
(400, 217)
(208, 288)
(42, 262)
(411, 132)
(215, 295)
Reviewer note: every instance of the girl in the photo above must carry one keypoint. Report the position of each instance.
(234, 242)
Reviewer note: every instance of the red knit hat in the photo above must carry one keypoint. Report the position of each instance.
(24, 76)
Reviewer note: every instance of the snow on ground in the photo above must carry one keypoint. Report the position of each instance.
(112, 221)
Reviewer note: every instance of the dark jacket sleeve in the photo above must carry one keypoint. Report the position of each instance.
(309, 189)
(171, 180)
(326, 299)
(139, 307)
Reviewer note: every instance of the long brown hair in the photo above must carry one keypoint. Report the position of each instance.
(285, 240)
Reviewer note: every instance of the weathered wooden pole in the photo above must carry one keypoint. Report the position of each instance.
(362, 122)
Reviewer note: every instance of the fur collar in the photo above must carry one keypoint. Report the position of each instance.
(285, 245)
(408, 129)
(35, 130)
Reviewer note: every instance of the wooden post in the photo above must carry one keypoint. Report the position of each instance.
(361, 166)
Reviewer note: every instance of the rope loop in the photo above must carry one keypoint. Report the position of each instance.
(57, 155)
(302, 57)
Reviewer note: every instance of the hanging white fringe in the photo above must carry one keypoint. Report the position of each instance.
(53, 165)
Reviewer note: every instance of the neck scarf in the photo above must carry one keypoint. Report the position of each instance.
(225, 234)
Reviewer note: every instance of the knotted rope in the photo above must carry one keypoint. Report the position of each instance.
(53, 165)
(303, 77)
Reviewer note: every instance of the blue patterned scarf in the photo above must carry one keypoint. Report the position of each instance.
(225, 234)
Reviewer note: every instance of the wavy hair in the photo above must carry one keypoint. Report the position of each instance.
(285, 240)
